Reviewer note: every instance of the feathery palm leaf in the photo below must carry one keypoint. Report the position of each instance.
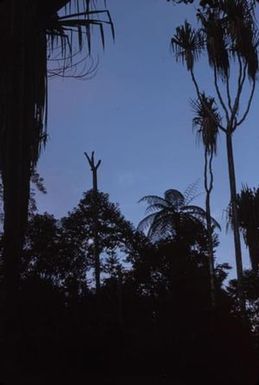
(153, 199)
(190, 193)
(200, 214)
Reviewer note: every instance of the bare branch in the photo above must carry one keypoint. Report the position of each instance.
(229, 95)
(220, 96)
(248, 105)
(92, 162)
(241, 79)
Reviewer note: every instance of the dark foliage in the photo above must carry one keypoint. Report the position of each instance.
(155, 319)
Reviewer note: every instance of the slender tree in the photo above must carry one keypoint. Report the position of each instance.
(94, 167)
(206, 122)
(228, 36)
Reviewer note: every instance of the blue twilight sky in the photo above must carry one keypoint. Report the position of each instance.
(135, 114)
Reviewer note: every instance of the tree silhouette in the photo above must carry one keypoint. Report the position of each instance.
(228, 37)
(248, 215)
(168, 216)
(33, 33)
(206, 122)
(94, 168)
(96, 214)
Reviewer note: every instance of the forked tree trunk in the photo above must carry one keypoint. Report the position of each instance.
(237, 243)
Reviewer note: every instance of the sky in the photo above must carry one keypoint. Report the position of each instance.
(135, 114)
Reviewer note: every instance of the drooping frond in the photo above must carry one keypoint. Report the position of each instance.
(200, 214)
(187, 44)
(161, 228)
(153, 200)
(70, 37)
(146, 222)
(216, 41)
(241, 26)
(157, 207)
(231, 29)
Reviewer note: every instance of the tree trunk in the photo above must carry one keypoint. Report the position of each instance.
(96, 236)
(254, 255)
(15, 167)
(237, 243)
(208, 188)
(97, 272)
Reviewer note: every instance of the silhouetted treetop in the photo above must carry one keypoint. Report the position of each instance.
(167, 216)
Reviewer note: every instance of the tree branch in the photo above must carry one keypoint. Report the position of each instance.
(241, 81)
(220, 96)
(229, 95)
(248, 105)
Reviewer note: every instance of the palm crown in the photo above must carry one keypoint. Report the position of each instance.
(168, 215)
(206, 121)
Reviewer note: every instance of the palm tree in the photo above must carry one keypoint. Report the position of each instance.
(206, 122)
(228, 35)
(33, 33)
(169, 215)
(248, 215)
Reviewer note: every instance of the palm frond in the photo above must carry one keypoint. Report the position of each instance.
(200, 214)
(153, 199)
(146, 222)
(161, 227)
(157, 207)
(191, 192)
(75, 24)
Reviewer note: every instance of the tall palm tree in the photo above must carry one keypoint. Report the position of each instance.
(228, 35)
(32, 33)
(206, 122)
(248, 215)
(170, 214)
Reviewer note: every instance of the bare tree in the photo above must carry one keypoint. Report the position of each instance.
(94, 167)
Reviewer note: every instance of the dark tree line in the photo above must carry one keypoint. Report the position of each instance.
(156, 317)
